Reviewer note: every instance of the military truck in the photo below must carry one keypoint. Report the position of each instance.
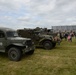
(40, 40)
(14, 45)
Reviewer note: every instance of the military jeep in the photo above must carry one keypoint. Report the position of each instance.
(14, 45)
(40, 40)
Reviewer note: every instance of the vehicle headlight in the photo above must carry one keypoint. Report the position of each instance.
(24, 42)
(33, 43)
(26, 46)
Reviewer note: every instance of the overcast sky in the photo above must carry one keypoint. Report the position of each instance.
(37, 13)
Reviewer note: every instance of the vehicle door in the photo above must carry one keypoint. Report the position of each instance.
(2, 41)
(36, 38)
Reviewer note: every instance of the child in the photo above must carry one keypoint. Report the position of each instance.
(69, 38)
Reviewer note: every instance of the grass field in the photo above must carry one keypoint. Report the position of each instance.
(59, 61)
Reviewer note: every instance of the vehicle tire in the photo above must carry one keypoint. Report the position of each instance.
(30, 52)
(54, 44)
(14, 54)
(47, 45)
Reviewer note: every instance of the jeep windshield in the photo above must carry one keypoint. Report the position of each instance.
(12, 34)
(37, 33)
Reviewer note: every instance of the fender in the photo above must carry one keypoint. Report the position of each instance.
(45, 39)
(18, 44)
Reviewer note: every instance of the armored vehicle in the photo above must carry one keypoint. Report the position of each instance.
(40, 40)
(14, 45)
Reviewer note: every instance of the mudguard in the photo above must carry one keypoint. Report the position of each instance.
(43, 39)
(18, 44)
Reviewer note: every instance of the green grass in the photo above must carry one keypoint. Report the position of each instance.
(59, 61)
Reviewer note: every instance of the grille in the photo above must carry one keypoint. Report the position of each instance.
(29, 43)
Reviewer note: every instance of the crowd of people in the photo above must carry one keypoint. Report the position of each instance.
(65, 35)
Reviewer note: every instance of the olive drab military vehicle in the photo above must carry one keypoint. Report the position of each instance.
(40, 39)
(14, 45)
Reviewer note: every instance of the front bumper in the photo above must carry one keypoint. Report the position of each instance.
(27, 49)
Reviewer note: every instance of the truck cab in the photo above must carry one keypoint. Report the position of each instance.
(14, 45)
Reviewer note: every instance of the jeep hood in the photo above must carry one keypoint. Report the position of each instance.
(18, 39)
(46, 36)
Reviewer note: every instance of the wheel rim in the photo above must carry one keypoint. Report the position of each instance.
(47, 46)
(13, 55)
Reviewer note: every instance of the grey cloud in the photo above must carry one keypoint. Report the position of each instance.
(10, 5)
(42, 13)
